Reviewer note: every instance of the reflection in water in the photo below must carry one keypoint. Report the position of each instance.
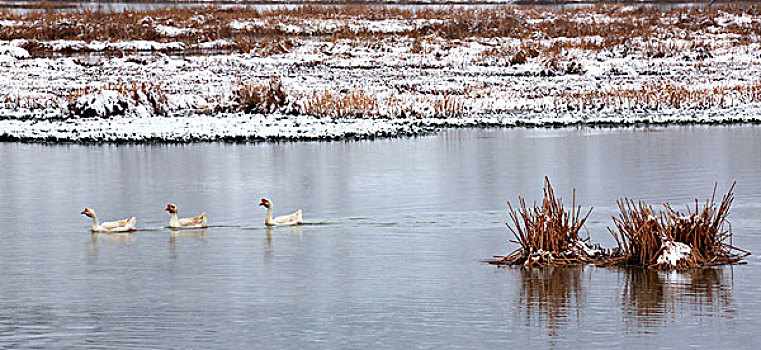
(551, 297)
(650, 297)
(98, 238)
(548, 294)
(176, 234)
(353, 282)
(294, 231)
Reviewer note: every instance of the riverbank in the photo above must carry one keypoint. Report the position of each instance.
(314, 72)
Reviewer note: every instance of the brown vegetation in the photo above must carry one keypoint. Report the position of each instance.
(261, 98)
(600, 27)
(355, 103)
(548, 234)
(643, 234)
(660, 94)
(147, 94)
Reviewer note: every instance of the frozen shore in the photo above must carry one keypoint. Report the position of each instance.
(309, 75)
(276, 127)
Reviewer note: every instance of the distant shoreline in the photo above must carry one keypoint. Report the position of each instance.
(63, 4)
(314, 73)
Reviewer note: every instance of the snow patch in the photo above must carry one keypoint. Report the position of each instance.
(103, 104)
(169, 31)
(10, 23)
(145, 45)
(673, 252)
(216, 44)
(13, 51)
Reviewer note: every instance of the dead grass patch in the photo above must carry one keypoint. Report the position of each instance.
(659, 95)
(670, 239)
(548, 233)
(261, 98)
(356, 103)
(596, 28)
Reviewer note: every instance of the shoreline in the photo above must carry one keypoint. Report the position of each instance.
(242, 128)
(311, 73)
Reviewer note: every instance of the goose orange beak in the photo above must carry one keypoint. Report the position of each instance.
(84, 211)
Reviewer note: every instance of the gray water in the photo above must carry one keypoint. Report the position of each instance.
(391, 257)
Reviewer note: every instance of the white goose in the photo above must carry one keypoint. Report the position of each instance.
(124, 225)
(199, 221)
(285, 220)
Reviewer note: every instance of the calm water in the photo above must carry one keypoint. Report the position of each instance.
(392, 258)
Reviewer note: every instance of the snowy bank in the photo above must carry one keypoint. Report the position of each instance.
(274, 127)
(358, 75)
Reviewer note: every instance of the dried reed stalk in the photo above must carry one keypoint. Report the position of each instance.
(548, 234)
(642, 234)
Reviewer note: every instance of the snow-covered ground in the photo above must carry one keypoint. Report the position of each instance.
(385, 82)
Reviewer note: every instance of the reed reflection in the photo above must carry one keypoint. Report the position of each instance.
(550, 295)
(652, 298)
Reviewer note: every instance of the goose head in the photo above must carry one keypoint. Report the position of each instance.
(171, 208)
(266, 203)
(88, 212)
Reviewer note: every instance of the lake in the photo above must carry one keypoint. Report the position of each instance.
(392, 253)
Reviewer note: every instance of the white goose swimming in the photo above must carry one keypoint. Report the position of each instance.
(199, 221)
(285, 220)
(124, 225)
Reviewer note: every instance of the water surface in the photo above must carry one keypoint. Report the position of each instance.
(392, 257)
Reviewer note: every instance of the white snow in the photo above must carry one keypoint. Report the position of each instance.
(216, 44)
(10, 23)
(13, 51)
(588, 249)
(147, 45)
(228, 127)
(416, 84)
(102, 104)
(673, 252)
(169, 31)
(241, 25)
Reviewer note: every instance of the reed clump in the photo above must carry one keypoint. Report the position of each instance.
(548, 233)
(356, 103)
(670, 239)
(118, 98)
(660, 94)
(261, 98)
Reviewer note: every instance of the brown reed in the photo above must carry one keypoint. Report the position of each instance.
(548, 234)
(642, 232)
(260, 98)
(570, 28)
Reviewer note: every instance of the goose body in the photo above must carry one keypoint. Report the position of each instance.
(124, 225)
(199, 221)
(285, 220)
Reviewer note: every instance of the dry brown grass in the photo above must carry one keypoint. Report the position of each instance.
(659, 95)
(260, 98)
(610, 25)
(355, 103)
(641, 233)
(548, 234)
